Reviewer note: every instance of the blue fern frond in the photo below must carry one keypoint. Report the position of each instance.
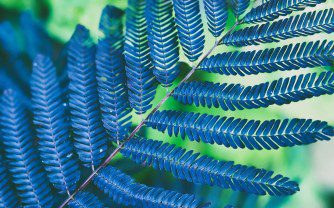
(112, 90)
(23, 161)
(7, 192)
(239, 7)
(189, 27)
(271, 10)
(237, 96)
(240, 133)
(300, 25)
(111, 78)
(89, 134)
(52, 126)
(194, 168)
(6, 81)
(8, 41)
(36, 39)
(162, 40)
(111, 21)
(216, 13)
(11, 59)
(139, 68)
(85, 200)
(124, 190)
(287, 57)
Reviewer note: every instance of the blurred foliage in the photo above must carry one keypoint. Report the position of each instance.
(60, 18)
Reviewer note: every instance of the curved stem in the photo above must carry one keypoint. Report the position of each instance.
(141, 124)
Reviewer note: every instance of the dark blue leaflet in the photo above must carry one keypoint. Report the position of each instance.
(23, 161)
(239, 7)
(89, 134)
(110, 21)
(300, 25)
(216, 13)
(194, 168)
(8, 196)
(162, 40)
(139, 69)
(124, 190)
(272, 9)
(287, 57)
(189, 27)
(52, 126)
(239, 97)
(111, 76)
(240, 133)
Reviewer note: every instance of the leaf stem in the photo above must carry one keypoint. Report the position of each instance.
(141, 124)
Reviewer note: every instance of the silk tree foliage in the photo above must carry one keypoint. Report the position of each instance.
(119, 74)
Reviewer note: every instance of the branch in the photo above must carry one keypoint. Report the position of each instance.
(141, 124)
